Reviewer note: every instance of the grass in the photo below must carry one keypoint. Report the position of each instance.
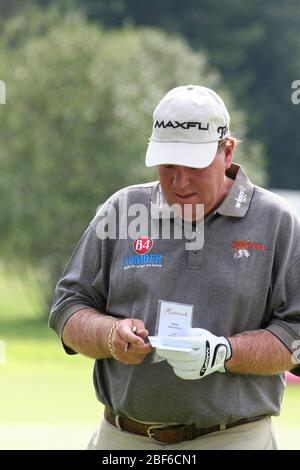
(287, 425)
(41, 384)
(47, 398)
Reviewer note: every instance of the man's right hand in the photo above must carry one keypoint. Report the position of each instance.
(87, 332)
(129, 347)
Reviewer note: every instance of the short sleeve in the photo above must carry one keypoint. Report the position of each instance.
(75, 290)
(285, 320)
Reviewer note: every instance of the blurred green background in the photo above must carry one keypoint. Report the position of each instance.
(82, 79)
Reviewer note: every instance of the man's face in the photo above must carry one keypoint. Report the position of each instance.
(209, 186)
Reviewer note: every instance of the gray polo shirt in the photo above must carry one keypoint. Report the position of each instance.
(245, 277)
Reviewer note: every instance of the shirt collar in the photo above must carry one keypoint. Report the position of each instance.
(237, 201)
(235, 204)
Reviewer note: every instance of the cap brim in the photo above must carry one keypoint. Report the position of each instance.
(179, 153)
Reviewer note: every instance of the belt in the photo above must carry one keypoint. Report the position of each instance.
(168, 434)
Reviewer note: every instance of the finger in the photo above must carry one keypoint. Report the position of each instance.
(143, 333)
(140, 326)
(131, 359)
(145, 348)
(130, 337)
(179, 356)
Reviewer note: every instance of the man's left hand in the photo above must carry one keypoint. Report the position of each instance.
(208, 354)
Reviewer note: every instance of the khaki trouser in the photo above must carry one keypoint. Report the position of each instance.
(251, 436)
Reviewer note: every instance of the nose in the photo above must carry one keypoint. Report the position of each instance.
(181, 178)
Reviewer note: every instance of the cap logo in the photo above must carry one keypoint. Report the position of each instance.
(184, 125)
(222, 130)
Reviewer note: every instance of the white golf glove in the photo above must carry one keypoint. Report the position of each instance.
(208, 354)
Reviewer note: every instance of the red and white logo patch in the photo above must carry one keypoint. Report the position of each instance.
(247, 245)
(243, 248)
(142, 245)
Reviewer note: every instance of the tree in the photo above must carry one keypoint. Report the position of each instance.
(255, 45)
(76, 123)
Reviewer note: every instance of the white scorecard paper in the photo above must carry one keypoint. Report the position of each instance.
(173, 319)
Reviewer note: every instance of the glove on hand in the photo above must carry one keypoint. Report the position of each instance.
(208, 354)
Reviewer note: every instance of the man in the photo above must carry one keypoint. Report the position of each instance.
(220, 391)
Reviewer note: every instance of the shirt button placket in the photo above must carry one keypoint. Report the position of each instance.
(194, 257)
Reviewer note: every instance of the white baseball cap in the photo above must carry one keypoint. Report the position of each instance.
(188, 123)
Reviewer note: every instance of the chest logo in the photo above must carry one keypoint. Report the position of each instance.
(141, 257)
(142, 245)
(243, 248)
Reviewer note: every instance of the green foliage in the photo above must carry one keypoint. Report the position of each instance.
(255, 45)
(76, 124)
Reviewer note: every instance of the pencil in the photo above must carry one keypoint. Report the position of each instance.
(127, 344)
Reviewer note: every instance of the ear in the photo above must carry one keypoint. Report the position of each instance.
(228, 152)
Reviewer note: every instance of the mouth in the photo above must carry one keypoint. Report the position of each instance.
(185, 197)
